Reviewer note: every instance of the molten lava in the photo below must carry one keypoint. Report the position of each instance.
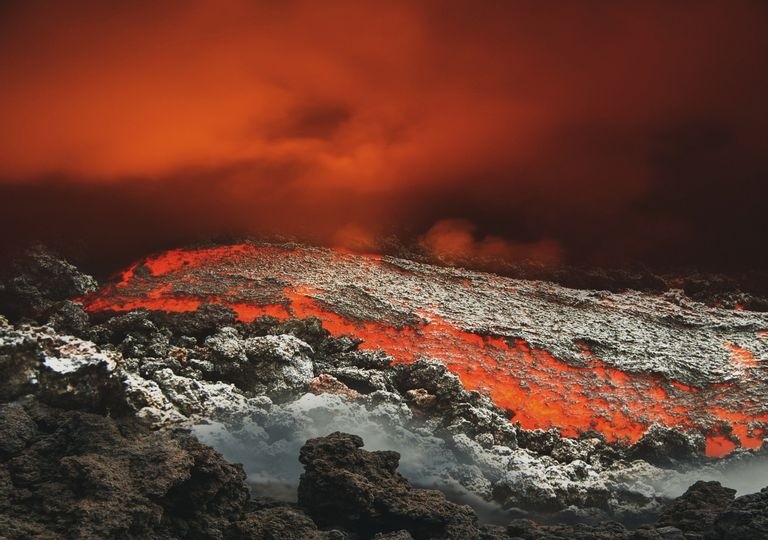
(539, 389)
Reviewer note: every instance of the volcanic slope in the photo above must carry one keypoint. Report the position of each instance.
(576, 360)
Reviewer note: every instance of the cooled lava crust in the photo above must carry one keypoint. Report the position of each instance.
(576, 360)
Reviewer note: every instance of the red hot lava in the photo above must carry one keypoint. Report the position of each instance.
(540, 390)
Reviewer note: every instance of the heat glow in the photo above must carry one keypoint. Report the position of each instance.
(539, 390)
(484, 133)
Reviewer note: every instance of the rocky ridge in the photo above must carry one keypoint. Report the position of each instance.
(83, 475)
(576, 360)
(258, 390)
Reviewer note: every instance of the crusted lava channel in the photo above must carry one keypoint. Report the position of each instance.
(575, 360)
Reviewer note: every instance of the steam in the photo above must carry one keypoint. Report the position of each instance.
(746, 473)
(268, 443)
(454, 240)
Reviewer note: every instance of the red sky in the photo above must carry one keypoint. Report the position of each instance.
(593, 131)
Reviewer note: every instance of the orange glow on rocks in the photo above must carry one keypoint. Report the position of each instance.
(742, 356)
(719, 446)
(539, 389)
(155, 300)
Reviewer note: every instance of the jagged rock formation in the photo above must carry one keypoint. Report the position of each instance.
(258, 389)
(575, 360)
(40, 282)
(746, 517)
(420, 409)
(362, 491)
(697, 510)
(83, 475)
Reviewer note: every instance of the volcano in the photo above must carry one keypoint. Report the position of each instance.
(580, 361)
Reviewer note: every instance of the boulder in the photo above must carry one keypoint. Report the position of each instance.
(77, 474)
(362, 491)
(698, 508)
(39, 282)
(745, 518)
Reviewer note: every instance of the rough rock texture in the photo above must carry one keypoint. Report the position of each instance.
(76, 412)
(698, 508)
(328, 384)
(82, 475)
(343, 484)
(449, 437)
(581, 361)
(279, 522)
(398, 292)
(40, 282)
(70, 372)
(745, 518)
(65, 370)
(663, 446)
(256, 363)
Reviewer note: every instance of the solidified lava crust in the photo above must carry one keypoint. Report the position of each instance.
(576, 360)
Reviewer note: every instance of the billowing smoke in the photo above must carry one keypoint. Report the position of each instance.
(268, 446)
(454, 240)
(593, 132)
(745, 472)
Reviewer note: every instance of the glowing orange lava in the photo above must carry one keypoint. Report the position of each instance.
(539, 390)
(742, 356)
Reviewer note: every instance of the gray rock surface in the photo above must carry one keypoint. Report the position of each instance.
(581, 361)
(448, 437)
(127, 382)
(625, 329)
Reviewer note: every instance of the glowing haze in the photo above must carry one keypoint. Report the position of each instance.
(598, 132)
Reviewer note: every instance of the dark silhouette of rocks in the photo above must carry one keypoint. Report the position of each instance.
(363, 492)
(39, 282)
(82, 475)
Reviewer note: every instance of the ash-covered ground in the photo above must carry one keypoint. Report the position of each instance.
(106, 395)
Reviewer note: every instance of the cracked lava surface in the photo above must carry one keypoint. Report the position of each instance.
(575, 360)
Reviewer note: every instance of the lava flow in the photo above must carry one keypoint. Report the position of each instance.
(577, 361)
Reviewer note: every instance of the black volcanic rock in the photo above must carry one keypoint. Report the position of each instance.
(745, 519)
(274, 364)
(16, 429)
(278, 523)
(38, 283)
(135, 335)
(60, 370)
(433, 377)
(91, 468)
(201, 323)
(698, 508)
(309, 330)
(71, 318)
(82, 475)
(664, 446)
(361, 490)
(19, 365)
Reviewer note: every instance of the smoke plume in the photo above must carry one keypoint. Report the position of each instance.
(594, 132)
